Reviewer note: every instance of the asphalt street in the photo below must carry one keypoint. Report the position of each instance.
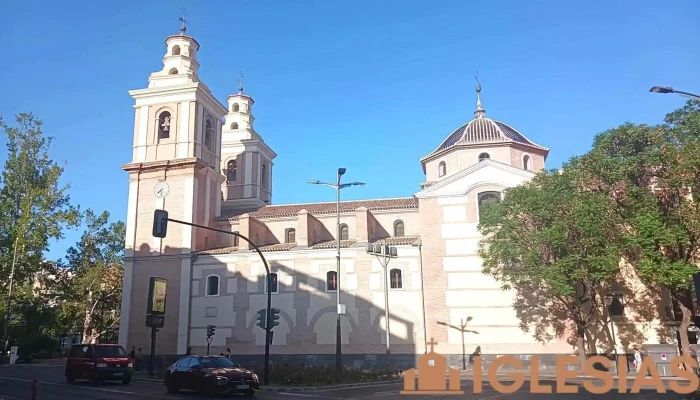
(17, 383)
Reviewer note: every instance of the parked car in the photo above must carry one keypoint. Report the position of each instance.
(211, 375)
(99, 362)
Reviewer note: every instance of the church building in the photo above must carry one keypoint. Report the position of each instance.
(205, 163)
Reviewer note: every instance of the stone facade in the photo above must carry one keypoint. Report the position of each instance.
(218, 172)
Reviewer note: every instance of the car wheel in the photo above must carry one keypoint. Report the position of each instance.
(249, 392)
(172, 388)
(126, 381)
(209, 390)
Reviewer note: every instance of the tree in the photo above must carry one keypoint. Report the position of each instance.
(549, 241)
(653, 175)
(34, 206)
(92, 288)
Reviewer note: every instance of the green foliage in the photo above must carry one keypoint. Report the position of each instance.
(34, 206)
(550, 241)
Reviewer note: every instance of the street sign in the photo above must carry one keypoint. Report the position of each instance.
(157, 291)
(155, 321)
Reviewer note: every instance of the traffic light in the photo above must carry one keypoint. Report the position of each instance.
(262, 318)
(160, 223)
(211, 330)
(274, 317)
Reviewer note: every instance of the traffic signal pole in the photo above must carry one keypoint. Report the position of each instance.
(160, 227)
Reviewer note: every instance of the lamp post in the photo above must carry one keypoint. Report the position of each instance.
(337, 186)
(384, 254)
(668, 89)
(609, 298)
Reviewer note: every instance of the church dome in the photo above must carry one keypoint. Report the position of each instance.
(484, 131)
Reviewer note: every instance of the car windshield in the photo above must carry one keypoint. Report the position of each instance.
(216, 362)
(109, 351)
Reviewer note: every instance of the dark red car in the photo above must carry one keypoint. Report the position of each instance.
(211, 375)
(99, 362)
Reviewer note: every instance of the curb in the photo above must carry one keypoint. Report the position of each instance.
(278, 389)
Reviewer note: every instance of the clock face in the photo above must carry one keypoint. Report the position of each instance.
(161, 189)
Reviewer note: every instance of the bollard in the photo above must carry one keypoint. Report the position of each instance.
(34, 389)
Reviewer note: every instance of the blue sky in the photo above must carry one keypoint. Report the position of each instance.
(367, 85)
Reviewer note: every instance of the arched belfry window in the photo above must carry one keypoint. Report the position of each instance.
(176, 50)
(487, 198)
(231, 170)
(164, 125)
(236, 107)
(527, 163)
(442, 169)
(173, 71)
(398, 228)
(263, 176)
(208, 134)
(234, 125)
(484, 156)
(290, 235)
(344, 232)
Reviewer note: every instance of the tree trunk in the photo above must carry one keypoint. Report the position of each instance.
(87, 322)
(683, 328)
(580, 336)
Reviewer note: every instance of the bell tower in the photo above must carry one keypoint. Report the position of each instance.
(246, 159)
(175, 166)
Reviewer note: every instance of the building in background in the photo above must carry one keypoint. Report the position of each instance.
(218, 172)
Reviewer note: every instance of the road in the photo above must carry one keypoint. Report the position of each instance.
(17, 383)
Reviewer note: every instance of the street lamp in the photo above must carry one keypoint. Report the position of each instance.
(609, 298)
(384, 254)
(668, 89)
(337, 186)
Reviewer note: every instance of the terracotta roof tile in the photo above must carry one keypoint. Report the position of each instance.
(332, 244)
(290, 210)
(397, 240)
(278, 247)
(220, 250)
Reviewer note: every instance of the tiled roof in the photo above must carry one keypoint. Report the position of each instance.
(265, 248)
(332, 244)
(427, 184)
(484, 131)
(397, 240)
(290, 210)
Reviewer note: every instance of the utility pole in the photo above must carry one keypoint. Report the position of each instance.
(384, 254)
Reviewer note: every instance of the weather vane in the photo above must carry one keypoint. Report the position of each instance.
(183, 19)
(240, 82)
(478, 84)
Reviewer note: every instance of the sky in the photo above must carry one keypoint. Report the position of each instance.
(371, 86)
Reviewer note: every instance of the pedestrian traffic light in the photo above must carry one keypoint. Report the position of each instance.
(274, 317)
(160, 223)
(262, 319)
(211, 330)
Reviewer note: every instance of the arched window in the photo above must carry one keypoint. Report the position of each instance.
(290, 235)
(212, 285)
(442, 169)
(484, 156)
(235, 240)
(234, 125)
(173, 71)
(236, 107)
(176, 50)
(275, 283)
(344, 232)
(231, 170)
(396, 278)
(398, 228)
(164, 125)
(263, 176)
(331, 281)
(526, 163)
(488, 197)
(208, 134)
